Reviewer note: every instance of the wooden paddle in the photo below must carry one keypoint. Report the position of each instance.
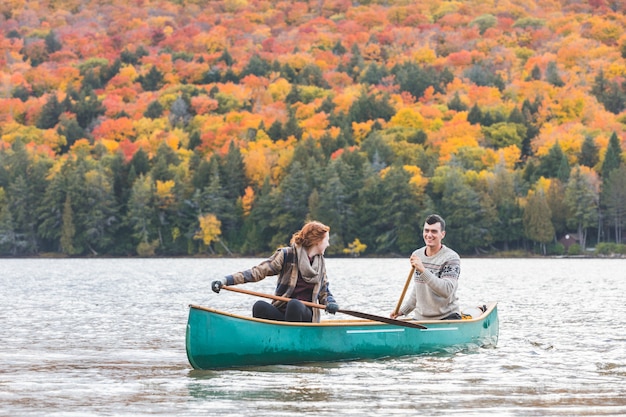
(406, 287)
(358, 314)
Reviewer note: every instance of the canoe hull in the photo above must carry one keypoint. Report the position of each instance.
(217, 340)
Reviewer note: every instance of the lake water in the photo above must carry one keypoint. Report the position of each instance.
(106, 337)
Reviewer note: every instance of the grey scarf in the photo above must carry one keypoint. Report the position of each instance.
(312, 273)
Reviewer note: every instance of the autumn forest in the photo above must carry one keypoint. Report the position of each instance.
(201, 127)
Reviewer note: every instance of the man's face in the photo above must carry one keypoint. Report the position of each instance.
(433, 235)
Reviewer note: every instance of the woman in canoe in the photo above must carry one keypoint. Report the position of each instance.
(301, 274)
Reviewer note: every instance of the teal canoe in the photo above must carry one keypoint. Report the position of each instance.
(216, 339)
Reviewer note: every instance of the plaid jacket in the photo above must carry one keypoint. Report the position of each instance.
(283, 263)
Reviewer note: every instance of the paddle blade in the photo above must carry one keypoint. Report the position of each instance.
(383, 319)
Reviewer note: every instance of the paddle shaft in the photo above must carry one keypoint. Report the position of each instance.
(406, 287)
(323, 307)
(274, 297)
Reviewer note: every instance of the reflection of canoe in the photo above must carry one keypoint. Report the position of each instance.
(221, 340)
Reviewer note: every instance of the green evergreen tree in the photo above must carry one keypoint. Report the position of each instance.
(374, 74)
(194, 140)
(327, 105)
(71, 130)
(140, 163)
(564, 170)
(256, 66)
(456, 104)
(484, 74)
(275, 131)
(288, 73)
(535, 73)
(612, 157)
(154, 110)
(537, 220)
(25, 187)
(588, 153)
(507, 227)
(552, 75)
(8, 238)
(582, 199)
(259, 225)
(391, 210)
(293, 96)
(332, 206)
(214, 199)
(516, 117)
(552, 165)
(50, 214)
(475, 115)
(418, 137)
(414, 79)
(52, 43)
(230, 77)
(234, 173)
(469, 214)
(558, 208)
(609, 93)
(96, 216)
(308, 154)
(141, 215)
(356, 62)
(152, 81)
(163, 163)
(91, 80)
(107, 72)
(377, 151)
(339, 49)
(68, 231)
(20, 92)
(292, 205)
(50, 113)
(312, 74)
(226, 58)
(87, 108)
(292, 128)
(614, 194)
(370, 107)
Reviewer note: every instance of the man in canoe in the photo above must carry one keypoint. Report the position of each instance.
(301, 274)
(436, 277)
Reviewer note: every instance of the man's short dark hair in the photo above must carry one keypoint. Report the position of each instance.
(435, 218)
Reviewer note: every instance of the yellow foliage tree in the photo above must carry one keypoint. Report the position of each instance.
(279, 89)
(210, 229)
(316, 125)
(355, 248)
(247, 200)
(361, 130)
(457, 133)
(264, 158)
(408, 117)
(164, 193)
(570, 137)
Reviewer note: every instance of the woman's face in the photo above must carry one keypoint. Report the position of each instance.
(323, 244)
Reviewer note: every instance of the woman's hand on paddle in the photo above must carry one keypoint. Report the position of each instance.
(332, 308)
(216, 286)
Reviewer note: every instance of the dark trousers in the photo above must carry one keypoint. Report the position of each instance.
(295, 311)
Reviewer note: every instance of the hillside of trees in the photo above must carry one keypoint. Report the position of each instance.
(188, 127)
